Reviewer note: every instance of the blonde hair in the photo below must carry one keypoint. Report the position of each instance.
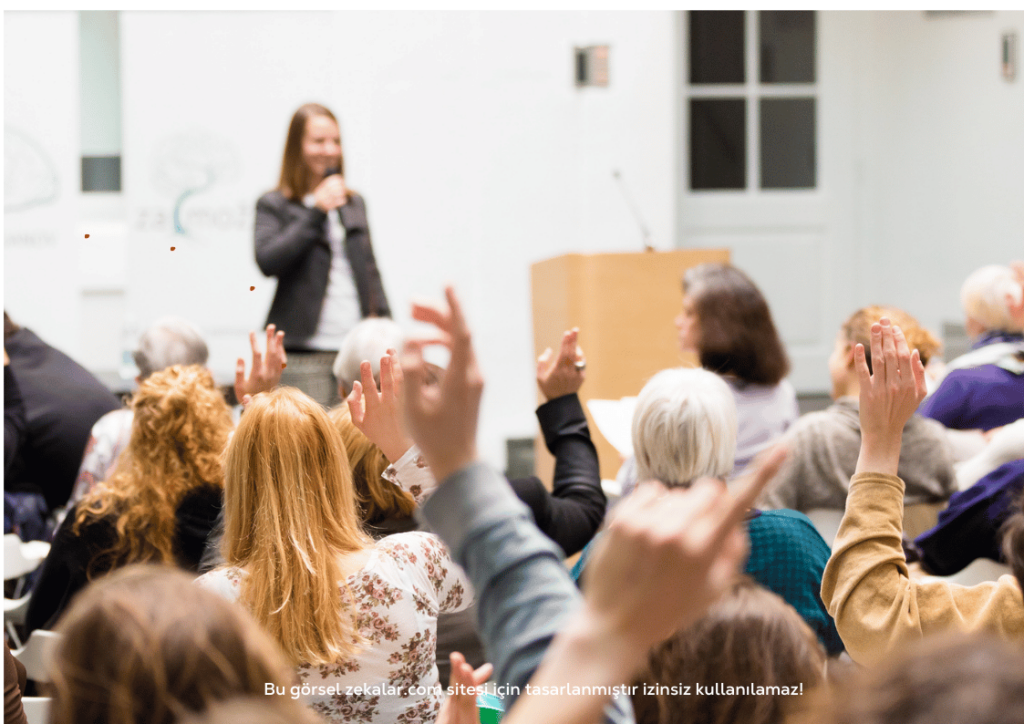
(179, 430)
(378, 499)
(857, 329)
(146, 645)
(289, 514)
(684, 427)
(983, 297)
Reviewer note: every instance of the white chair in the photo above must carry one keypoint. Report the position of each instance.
(15, 610)
(37, 709)
(37, 653)
(20, 558)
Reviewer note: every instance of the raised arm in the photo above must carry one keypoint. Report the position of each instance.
(866, 585)
(573, 511)
(525, 595)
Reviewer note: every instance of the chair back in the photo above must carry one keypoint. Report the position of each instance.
(37, 709)
(22, 558)
(37, 653)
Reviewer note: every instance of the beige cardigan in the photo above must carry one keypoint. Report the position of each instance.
(877, 607)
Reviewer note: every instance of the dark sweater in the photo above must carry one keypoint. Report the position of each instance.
(66, 569)
(61, 400)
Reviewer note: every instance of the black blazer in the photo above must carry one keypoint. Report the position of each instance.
(291, 244)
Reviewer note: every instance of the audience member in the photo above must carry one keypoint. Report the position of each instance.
(1005, 444)
(161, 500)
(985, 388)
(167, 342)
(667, 556)
(684, 427)
(969, 528)
(876, 604)
(726, 322)
(748, 660)
(368, 340)
(62, 400)
(945, 679)
(143, 646)
(823, 446)
(292, 533)
(570, 514)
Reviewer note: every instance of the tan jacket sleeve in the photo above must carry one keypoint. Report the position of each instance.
(877, 606)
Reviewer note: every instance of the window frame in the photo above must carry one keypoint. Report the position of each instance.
(751, 92)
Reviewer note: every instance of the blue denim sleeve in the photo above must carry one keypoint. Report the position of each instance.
(524, 593)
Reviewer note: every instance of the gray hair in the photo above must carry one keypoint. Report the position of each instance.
(684, 427)
(368, 340)
(984, 297)
(167, 342)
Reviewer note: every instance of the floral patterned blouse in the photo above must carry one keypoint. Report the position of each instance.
(408, 579)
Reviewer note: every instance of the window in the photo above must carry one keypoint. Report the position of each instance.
(751, 100)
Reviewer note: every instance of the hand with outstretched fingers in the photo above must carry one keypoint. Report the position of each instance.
(442, 419)
(378, 415)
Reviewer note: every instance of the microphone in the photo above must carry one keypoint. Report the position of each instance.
(334, 171)
(632, 207)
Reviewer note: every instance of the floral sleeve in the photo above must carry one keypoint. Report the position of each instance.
(410, 473)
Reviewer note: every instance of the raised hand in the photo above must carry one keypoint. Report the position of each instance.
(442, 419)
(378, 415)
(330, 193)
(563, 375)
(266, 373)
(889, 394)
(459, 706)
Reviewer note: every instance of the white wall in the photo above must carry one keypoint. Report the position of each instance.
(477, 157)
(943, 162)
(42, 175)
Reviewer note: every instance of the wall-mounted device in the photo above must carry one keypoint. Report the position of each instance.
(591, 65)
(1009, 56)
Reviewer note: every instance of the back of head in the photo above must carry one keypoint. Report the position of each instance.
(737, 334)
(146, 645)
(169, 341)
(942, 679)
(289, 513)
(684, 427)
(984, 294)
(857, 330)
(368, 340)
(378, 499)
(749, 637)
(180, 428)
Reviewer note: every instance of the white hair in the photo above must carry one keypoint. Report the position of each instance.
(984, 297)
(684, 427)
(368, 340)
(167, 342)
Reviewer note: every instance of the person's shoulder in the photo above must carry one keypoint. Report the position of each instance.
(273, 200)
(785, 523)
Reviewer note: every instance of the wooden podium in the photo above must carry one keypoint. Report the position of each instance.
(624, 306)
